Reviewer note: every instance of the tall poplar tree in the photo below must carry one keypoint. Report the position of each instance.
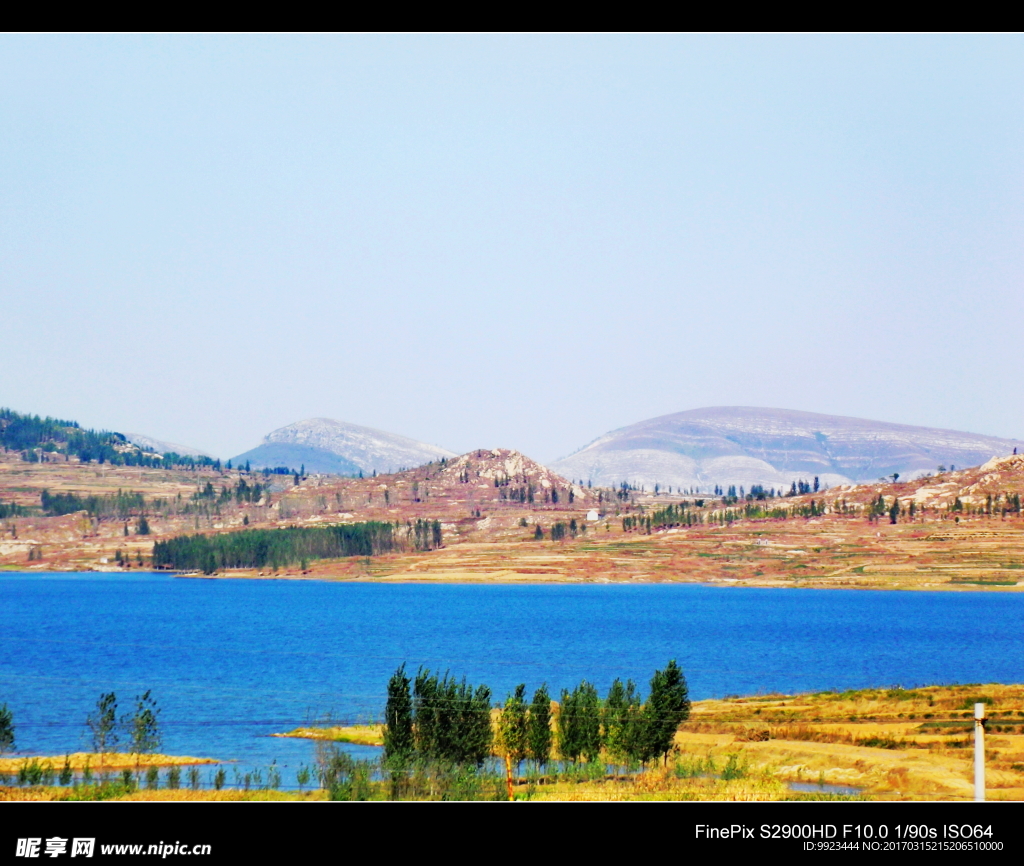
(398, 732)
(579, 723)
(103, 724)
(512, 728)
(619, 720)
(539, 727)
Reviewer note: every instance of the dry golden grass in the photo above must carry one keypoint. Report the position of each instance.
(224, 795)
(891, 743)
(99, 763)
(54, 793)
(363, 735)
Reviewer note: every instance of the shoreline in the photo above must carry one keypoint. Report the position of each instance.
(512, 578)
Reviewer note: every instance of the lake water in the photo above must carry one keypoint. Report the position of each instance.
(232, 661)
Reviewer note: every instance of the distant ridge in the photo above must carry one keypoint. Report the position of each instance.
(324, 445)
(741, 445)
(158, 446)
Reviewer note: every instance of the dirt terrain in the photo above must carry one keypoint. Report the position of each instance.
(964, 530)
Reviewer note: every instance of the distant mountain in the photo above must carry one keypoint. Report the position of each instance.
(334, 447)
(148, 443)
(774, 447)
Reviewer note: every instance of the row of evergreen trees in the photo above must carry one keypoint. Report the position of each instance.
(442, 719)
(277, 548)
(12, 509)
(124, 503)
(33, 436)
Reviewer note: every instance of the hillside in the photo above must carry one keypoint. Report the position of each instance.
(324, 445)
(745, 446)
(51, 440)
(75, 515)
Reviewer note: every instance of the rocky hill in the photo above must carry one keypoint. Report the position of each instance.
(324, 445)
(993, 488)
(482, 480)
(736, 445)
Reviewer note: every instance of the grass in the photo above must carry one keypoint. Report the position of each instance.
(364, 735)
(99, 762)
(887, 743)
(892, 743)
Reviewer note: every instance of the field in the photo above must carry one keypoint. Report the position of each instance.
(876, 744)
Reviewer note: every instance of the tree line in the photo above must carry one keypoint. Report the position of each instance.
(138, 729)
(34, 436)
(124, 503)
(12, 509)
(277, 548)
(432, 718)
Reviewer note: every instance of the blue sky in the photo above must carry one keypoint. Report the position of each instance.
(510, 241)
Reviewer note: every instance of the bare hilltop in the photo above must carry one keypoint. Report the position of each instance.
(738, 445)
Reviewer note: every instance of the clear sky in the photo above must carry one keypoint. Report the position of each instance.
(512, 241)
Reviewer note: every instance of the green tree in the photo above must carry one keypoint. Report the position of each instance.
(143, 528)
(398, 730)
(142, 727)
(426, 705)
(6, 730)
(667, 707)
(590, 721)
(513, 730)
(538, 732)
(476, 741)
(619, 719)
(452, 720)
(103, 724)
(579, 723)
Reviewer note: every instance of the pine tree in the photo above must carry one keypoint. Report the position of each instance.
(398, 729)
(667, 707)
(539, 727)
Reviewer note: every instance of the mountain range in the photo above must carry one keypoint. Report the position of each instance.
(698, 449)
(324, 445)
(737, 445)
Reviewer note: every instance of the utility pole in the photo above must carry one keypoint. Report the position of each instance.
(979, 753)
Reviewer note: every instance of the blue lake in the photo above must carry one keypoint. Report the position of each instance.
(232, 661)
